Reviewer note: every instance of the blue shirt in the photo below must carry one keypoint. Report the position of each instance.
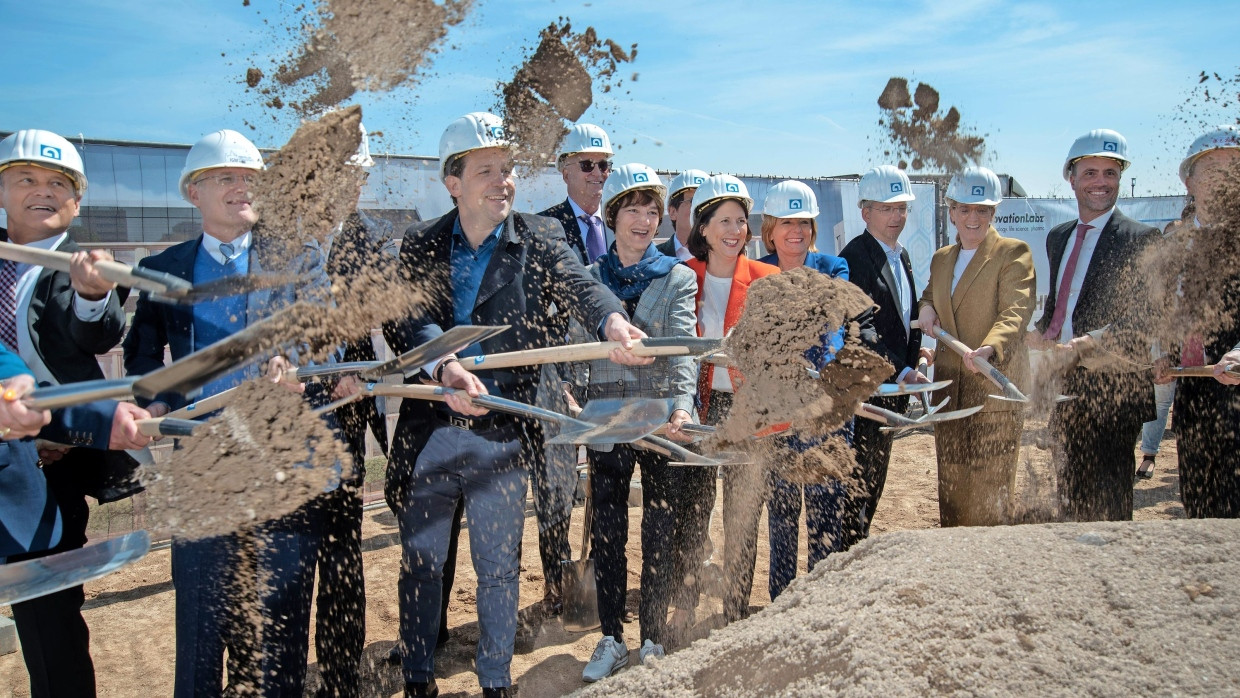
(468, 266)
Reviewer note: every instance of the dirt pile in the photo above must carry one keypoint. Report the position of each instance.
(309, 187)
(351, 45)
(261, 458)
(925, 137)
(786, 314)
(1064, 609)
(556, 83)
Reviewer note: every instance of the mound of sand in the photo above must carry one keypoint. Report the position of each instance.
(1145, 608)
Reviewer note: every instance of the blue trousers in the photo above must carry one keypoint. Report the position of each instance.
(208, 618)
(825, 506)
(485, 468)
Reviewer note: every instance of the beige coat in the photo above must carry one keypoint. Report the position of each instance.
(992, 306)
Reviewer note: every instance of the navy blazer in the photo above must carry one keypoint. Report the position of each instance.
(159, 325)
(868, 269)
(563, 212)
(30, 520)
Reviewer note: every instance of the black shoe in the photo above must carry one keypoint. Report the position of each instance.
(499, 692)
(1146, 469)
(417, 689)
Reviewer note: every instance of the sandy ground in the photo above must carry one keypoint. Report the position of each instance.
(131, 612)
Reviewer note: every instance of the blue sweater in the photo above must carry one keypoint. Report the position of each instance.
(220, 318)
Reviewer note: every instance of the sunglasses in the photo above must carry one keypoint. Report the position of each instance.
(587, 166)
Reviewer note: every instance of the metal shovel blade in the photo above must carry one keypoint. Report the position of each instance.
(894, 389)
(934, 418)
(30, 579)
(450, 342)
(580, 596)
(58, 396)
(227, 286)
(617, 421)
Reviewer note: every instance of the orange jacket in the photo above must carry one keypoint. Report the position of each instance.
(746, 271)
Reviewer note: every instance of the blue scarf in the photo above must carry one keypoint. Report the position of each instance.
(630, 282)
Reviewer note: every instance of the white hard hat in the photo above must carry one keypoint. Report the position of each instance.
(631, 177)
(716, 187)
(689, 179)
(585, 138)
(224, 148)
(885, 184)
(975, 185)
(1098, 143)
(474, 131)
(790, 199)
(1226, 136)
(362, 157)
(44, 149)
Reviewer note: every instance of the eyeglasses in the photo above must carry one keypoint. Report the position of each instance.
(587, 166)
(888, 209)
(228, 180)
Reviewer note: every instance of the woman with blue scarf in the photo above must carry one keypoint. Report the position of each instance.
(658, 293)
(789, 229)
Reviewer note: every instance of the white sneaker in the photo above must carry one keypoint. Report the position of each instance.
(609, 656)
(651, 651)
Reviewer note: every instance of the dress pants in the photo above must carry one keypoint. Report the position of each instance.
(340, 625)
(825, 508)
(212, 577)
(1208, 441)
(873, 456)
(977, 459)
(485, 469)
(611, 473)
(553, 478)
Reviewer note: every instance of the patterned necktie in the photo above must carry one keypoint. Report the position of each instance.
(596, 244)
(8, 304)
(897, 273)
(1065, 285)
(228, 250)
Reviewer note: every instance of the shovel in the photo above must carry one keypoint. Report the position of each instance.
(651, 346)
(30, 579)
(1232, 370)
(1010, 391)
(580, 590)
(162, 286)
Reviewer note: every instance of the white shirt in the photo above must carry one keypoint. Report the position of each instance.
(682, 252)
(962, 262)
(212, 244)
(578, 212)
(710, 322)
(1082, 266)
(27, 276)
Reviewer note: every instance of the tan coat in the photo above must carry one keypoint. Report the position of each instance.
(992, 306)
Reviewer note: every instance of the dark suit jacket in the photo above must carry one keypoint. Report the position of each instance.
(563, 212)
(534, 282)
(160, 325)
(68, 346)
(868, 269)
(1112, 294)
(668, 246)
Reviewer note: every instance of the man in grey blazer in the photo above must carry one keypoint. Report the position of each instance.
(1094, 286)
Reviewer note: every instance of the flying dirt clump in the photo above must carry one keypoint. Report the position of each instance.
(352, 45)
(924, 136)
(263, 457)
(786, 314)
(309, 187)
(556, 83)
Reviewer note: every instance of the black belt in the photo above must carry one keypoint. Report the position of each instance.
(483, 423)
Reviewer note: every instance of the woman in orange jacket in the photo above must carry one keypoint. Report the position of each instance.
(717, 239)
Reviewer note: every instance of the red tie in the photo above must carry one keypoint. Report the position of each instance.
(1193, 353)
(8, 304)
(1065, 284)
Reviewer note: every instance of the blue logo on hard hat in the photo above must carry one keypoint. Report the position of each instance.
(731, 188)
(698, 180)
(640, 177)
(1110, 146)
(596, 142)
(795, 204)
(979, 191)
(497, 132)
(49, 151)
(897, 188)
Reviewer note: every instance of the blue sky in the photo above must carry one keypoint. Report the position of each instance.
(784, 88)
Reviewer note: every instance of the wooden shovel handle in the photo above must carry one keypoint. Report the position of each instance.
(563, 354)
(963, 349)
